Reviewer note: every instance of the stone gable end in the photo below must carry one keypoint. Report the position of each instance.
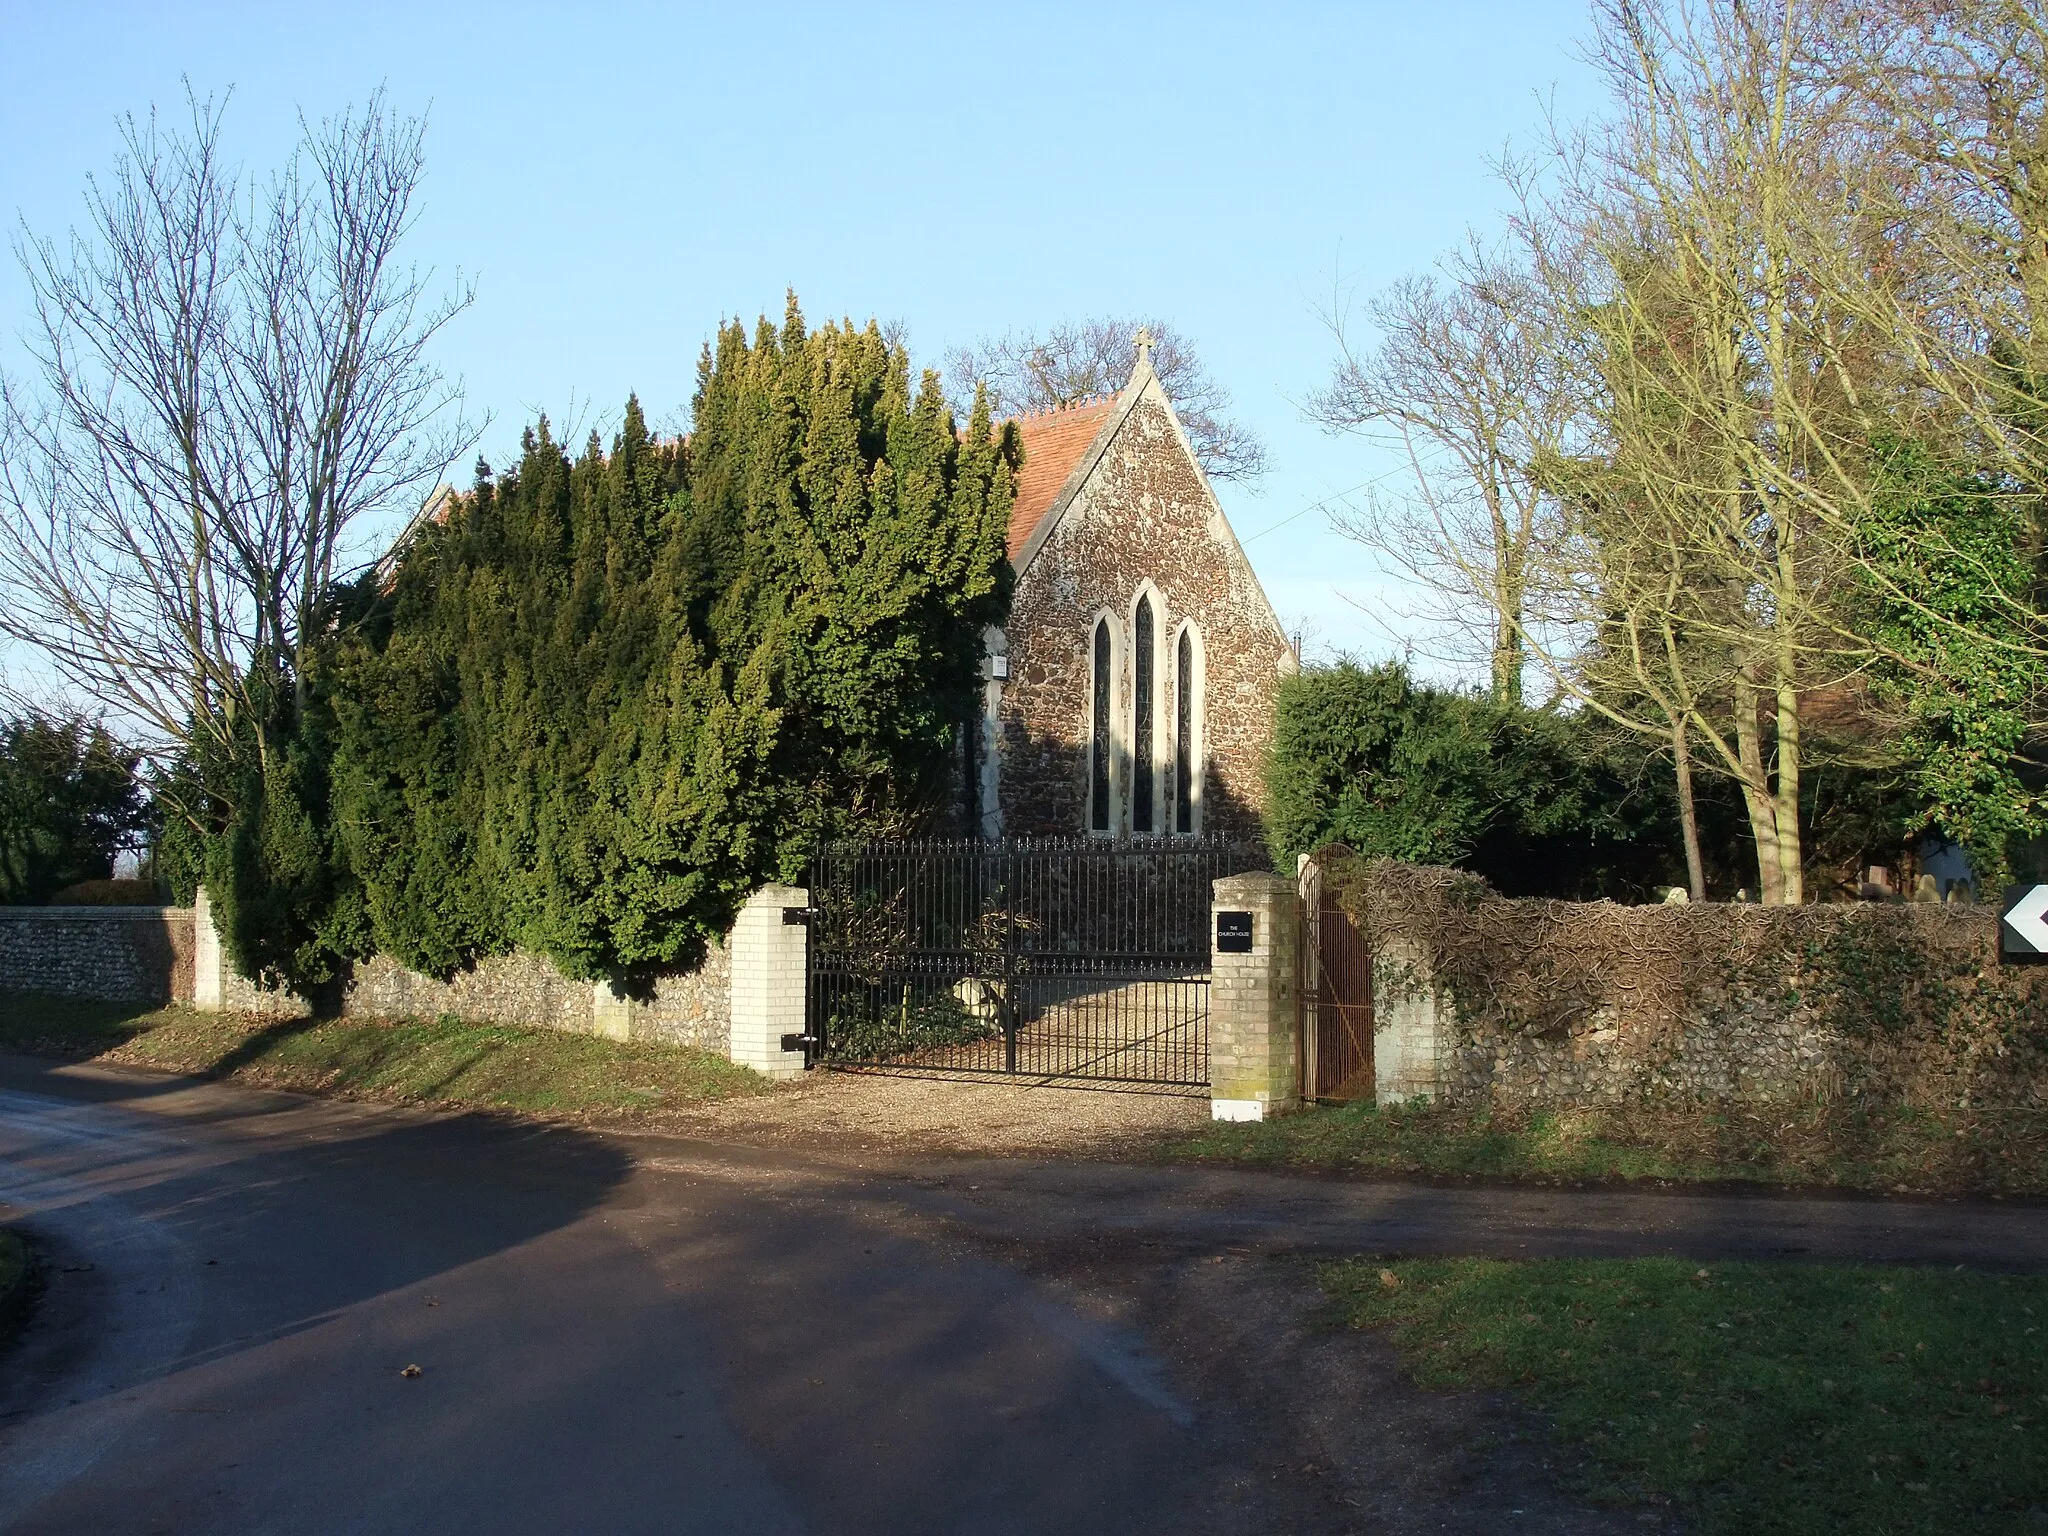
(1144, 520)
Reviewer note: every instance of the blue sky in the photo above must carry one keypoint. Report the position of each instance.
(618, 180)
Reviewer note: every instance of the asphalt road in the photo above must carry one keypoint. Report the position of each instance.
(620, 1334)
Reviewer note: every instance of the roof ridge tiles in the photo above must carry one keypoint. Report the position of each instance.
(1068, 407)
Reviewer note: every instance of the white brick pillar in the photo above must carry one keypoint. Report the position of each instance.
(1254, 997)
(1409, 1019)
(769, 970)
(611, 1011)
(210, 969)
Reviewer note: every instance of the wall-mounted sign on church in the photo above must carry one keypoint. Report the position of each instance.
(1131, 692)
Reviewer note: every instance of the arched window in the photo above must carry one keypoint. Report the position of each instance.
(1187, 728)
(1101, 741)
(1143, 754)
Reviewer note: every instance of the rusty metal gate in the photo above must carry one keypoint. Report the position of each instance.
(1072, 960)
(1336, 996)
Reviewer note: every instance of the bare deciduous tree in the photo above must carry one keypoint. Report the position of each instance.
(1729, 409)
(1463, 376)
(1037, 371)
(1952, 97)
(230, 377)
(1716, 394)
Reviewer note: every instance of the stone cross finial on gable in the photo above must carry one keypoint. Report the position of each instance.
(1143, 342)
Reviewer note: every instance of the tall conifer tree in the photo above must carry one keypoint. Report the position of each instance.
(609, 696)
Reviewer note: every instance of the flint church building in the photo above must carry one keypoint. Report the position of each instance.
(1131, 692)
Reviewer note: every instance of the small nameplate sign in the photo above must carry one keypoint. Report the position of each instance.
(1234, 933)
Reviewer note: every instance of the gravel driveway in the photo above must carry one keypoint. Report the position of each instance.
(894, 1112)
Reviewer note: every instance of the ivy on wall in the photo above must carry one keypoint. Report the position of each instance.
(1888, 1001)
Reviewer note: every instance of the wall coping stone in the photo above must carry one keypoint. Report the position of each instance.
(92, 914)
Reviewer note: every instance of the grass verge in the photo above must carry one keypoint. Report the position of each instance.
(1897, 1149)
(1758, 1398)
(445, 1061)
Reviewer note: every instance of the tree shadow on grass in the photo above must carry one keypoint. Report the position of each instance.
(46, 1024)
(261, 1043)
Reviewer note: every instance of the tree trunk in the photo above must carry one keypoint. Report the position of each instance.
(1509, 651)
(1688, 813)
(1756, 789)
(1507, 664)
(1791, 861)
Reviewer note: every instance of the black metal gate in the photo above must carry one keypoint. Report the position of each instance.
(1083, 959)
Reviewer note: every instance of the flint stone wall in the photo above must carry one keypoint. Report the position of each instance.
(121, 954)
(1566, 1003)
(526, 990)
(146, 954)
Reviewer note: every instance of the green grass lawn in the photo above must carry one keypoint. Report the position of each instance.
(1756, 1398)
(1890, 1149)
(445, 1061)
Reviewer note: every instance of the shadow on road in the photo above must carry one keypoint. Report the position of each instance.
(337, 1203)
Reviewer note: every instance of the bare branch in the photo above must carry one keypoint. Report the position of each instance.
(1074, 361)
(228, 380)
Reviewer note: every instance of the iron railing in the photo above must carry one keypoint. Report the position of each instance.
(1080, 958)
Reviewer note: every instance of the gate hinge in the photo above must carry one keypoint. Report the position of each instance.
(799, 914)
(799, 1042)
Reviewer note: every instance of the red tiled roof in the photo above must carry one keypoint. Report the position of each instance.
(1053, 444)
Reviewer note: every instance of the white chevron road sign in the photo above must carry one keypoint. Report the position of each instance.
(2023, 925)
